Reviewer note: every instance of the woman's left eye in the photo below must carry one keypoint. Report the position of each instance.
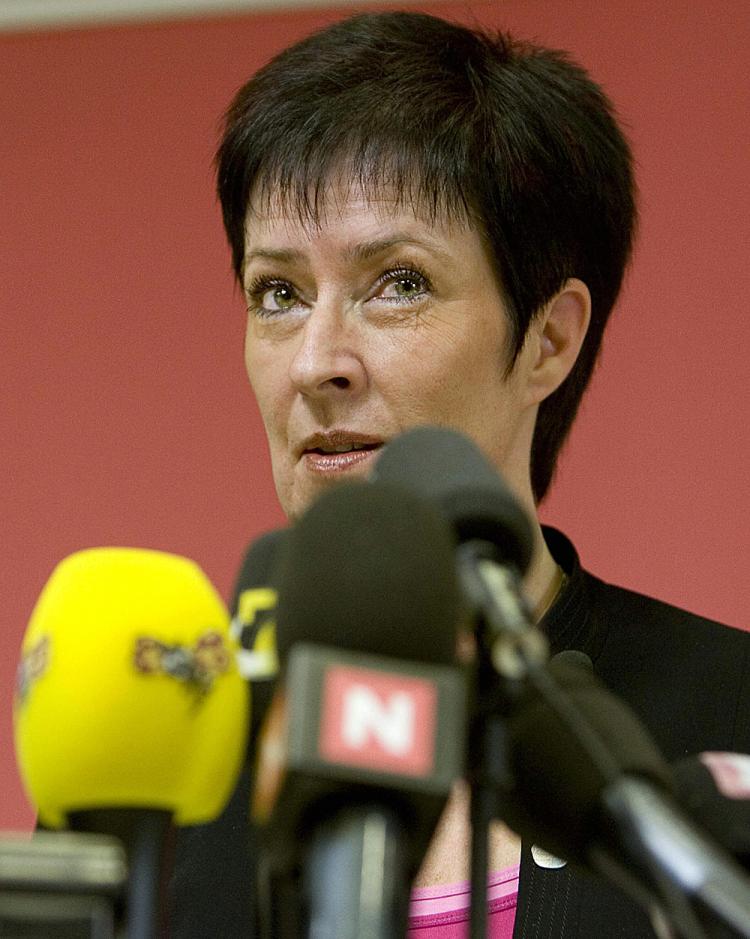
(271, 296)
(403, 285)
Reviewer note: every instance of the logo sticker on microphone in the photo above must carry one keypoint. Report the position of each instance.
(254, 628)
(32, 666)
(197, 667)
(378, 720)
(731, 773)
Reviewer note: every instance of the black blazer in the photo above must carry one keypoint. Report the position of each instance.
(685, 676)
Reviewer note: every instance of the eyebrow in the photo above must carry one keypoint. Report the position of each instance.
(369, 249)
(359, 252)
(273, 254)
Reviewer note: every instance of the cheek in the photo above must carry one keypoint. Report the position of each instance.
(463, 362)
(467, 389)
(266, 376)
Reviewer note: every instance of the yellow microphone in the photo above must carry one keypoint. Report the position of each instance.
(129, 703)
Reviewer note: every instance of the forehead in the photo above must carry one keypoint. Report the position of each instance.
(354, 228)
(379, 202)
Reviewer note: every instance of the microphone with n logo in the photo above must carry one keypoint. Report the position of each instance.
(365, 735)
(378, 718)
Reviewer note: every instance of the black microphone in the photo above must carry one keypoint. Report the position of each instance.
(448, 469)
(253, 611)
(207, 898)
(495, 544)
(253, 605)
(714, 788)
(564, 752)
(589, 784)
(494, 534)
(365, 735)
(586, 781)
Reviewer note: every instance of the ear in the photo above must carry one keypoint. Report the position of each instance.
(555, 338)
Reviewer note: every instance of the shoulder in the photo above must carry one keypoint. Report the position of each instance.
(618, 614)
(649, 619)
(688, 676)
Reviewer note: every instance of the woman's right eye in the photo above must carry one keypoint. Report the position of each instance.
(268, 297)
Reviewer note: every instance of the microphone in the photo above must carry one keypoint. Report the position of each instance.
(494, 535)
(130, 712)
(254, 608)
(253, 624)
(365, 736)
(554, 743)
(200, 873)
(567, 741)
(495, 544)
(448, 469)
(589, 784)
(714, 788)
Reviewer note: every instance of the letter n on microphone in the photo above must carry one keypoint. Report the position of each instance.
(378, 720)
(346, 722)
(366, 719)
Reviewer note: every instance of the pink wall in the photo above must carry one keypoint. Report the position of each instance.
(126, 418)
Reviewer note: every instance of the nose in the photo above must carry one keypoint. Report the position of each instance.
(328, 361)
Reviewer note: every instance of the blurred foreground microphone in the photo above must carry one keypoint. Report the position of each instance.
(130, 712)
(589, 785)
(715, 789)
(254, 623)
(366, 733)
(254, 608)
(568, 740)
(200, 873)
(494, 534)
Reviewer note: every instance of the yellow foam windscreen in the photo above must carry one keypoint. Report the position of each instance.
(128, 691)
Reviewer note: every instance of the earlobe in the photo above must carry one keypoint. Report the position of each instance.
(560, 329)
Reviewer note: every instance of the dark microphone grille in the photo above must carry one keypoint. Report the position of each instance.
(258, 564)
(370, 568)
(449, 470)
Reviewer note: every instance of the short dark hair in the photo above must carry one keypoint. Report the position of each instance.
(515, 137)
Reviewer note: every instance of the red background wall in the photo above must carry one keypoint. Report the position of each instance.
(126, 418)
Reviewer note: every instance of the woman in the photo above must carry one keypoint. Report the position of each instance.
(430, 226)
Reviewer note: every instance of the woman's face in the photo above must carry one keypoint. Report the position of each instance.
(371, 323)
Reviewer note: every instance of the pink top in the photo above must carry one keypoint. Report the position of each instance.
(443, 912)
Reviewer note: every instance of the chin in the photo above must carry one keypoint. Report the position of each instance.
(299, 500)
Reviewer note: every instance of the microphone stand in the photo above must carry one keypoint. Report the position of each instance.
(361, 852)
(489, 775)
(146, 835)
(504, 645)
(482, 809)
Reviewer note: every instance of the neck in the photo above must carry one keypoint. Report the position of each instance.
(542, 580)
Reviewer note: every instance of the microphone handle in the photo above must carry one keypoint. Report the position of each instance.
(514, 643)
(355, 879)
(146, 835)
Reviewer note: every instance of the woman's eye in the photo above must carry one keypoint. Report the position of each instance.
(266, 297)
(281, 297)
(404, 286)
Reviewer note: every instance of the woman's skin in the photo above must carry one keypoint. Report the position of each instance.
(379, 319)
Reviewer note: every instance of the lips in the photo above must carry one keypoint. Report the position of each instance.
(338, 451)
